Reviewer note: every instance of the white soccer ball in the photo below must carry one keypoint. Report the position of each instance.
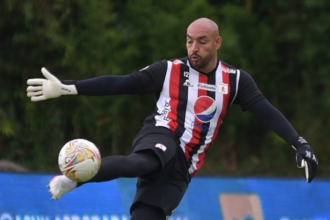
(79, 160)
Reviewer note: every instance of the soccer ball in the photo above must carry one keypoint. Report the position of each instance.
(79, 160)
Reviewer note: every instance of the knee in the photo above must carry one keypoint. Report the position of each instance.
(146, 160)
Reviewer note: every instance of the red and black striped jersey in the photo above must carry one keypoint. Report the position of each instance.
(193, 104)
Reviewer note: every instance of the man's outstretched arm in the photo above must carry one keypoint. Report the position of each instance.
(144, 81)
(276, 121)
(51, 87)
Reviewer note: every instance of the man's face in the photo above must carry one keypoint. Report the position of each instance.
(202, 45)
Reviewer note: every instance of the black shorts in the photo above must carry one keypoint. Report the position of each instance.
(164, 188)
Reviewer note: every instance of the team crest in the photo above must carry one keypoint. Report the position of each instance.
(223, 88)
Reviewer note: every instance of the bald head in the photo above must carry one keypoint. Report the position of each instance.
(203, 41)
(204, 25)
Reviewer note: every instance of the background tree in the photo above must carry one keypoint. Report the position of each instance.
(282, 44)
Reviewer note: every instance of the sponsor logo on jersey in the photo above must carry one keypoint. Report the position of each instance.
(228, 70)
(201, 127)
(166, 109)
(161, 146)
(207, 87)
(205, 108)
(186, 74)
(223, 88)
(188, 83)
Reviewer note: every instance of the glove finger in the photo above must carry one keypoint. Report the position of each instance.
(38, 93)
(310, 170)
(300, 161)
(37, 98)
(32, 82)
(306, 171)
(34, 88)
(48, 75)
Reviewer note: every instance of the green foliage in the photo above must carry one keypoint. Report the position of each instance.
(282, 44)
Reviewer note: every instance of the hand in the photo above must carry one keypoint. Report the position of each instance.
(51, 87)
(306, 158)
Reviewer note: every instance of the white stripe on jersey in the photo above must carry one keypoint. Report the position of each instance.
(219, 101)
(190, 115)
(163, 107)
(238, 73)
(195, 158)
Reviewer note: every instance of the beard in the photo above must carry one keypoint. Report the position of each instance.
(201, 63)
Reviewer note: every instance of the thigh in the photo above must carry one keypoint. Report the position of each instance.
(159, 140)
(165, 188)
(143, 211)
(165, 197)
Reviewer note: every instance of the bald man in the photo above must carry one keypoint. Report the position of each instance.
(193, 95)
(203, 42)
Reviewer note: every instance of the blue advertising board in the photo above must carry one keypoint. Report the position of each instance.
(24, 196)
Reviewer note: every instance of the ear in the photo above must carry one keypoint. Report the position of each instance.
(218, 42)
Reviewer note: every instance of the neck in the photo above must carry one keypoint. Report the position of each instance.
(212, 65)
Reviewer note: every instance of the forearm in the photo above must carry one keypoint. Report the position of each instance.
(108, 85)
(275, 120)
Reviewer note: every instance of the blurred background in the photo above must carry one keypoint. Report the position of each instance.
(282, 44)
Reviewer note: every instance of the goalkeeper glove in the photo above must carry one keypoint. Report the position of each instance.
(51, 87)
(305, 157)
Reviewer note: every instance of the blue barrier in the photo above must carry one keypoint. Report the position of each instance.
(25, 197)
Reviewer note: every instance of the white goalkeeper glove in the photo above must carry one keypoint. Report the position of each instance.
(51, 87)
(306, 158)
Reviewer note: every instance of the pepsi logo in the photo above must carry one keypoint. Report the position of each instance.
(205, 108)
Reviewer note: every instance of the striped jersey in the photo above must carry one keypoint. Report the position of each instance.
(193, 104)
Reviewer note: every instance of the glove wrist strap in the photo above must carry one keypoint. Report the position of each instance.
(68, 90)
(298, 143)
